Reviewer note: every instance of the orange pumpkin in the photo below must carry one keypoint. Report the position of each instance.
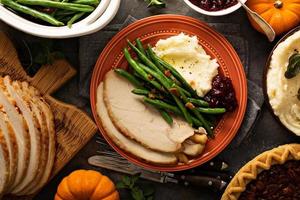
(282, 15)
(86, 185)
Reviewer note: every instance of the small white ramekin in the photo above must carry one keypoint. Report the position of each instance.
(214, 13)
(98, 19)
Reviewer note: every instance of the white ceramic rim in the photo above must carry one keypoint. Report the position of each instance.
(96, 13)
(77, 29)
(215, 13)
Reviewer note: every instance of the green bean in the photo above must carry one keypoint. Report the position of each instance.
(60, 12)
(162, 77)
(147, 93)
(129, 77)
(167, 117)
(140, 46)
(212, 111)
(138, 91)
(140, 71)
(143, 57)
(24, 9)
(55, 11)
(74, 19)
(165, 83)
(86, 2)
(198, 102)
(196, 112)
(184, 111)
(206, 124)
(163, 105)
(177, 75)
(152, 56)
(54, 4)
(164, 80)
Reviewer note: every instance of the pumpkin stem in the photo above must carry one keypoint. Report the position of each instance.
(278, 4)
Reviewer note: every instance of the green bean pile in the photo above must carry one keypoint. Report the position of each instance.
(165, 89)
(54, 12)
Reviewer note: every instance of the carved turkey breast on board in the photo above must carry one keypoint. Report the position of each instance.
(27, 138)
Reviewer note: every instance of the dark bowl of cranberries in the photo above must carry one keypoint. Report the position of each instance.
(214, 7)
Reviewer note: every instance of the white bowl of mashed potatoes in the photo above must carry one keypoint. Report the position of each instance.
(283, 92)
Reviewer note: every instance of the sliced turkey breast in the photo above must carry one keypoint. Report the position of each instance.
(44, 145)
(40, 127)
(4, 163)
(45, 108)
(138, 121)
(37, 109)
(34, 135)
(11, 142)
(127, 144)
(21, 132)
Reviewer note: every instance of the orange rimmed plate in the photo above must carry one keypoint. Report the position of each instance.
(150, 30)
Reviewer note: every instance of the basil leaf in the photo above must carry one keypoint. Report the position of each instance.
(294, 66)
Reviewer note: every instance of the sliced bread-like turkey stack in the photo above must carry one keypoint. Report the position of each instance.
(27, 138)
(138, 128)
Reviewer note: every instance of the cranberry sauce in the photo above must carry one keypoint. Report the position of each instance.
(222, 94)
(214, 5)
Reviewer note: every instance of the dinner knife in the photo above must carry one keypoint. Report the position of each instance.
(123, 166)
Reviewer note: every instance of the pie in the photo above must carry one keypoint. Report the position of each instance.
(272, 175)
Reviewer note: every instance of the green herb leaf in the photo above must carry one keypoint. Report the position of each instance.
(121, 185)
(137, 193)
(294, 66)
(35, 54)
(127, 181)
(156, 3)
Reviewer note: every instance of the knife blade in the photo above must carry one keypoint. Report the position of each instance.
(123, 166)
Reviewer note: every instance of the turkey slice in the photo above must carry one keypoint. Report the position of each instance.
(40, 128)
(4, 164)
(127, 144)
(37, 109)
(46, 111)
(34, 134)
(141, 122)
(21, 132)
(11, 142)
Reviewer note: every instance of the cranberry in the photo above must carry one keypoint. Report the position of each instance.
(214, 5)
(222, 94)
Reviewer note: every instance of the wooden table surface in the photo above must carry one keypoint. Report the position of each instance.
(265, 135)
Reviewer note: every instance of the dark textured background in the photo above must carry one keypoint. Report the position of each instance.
(265, 135)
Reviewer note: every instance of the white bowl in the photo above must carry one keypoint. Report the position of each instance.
(98, 19)
(214, 13)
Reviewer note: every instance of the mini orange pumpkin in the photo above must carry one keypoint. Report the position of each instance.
(282, 15)
(86, 185)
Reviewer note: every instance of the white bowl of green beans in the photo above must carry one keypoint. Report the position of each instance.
(58, 18)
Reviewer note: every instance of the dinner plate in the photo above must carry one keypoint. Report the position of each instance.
(150, 30)
(266, 69)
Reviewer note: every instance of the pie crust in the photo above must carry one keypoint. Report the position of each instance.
(260, 163)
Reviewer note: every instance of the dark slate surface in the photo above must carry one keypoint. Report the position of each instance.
(265, 135)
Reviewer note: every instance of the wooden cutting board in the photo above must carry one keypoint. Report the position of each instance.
(73, 127)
